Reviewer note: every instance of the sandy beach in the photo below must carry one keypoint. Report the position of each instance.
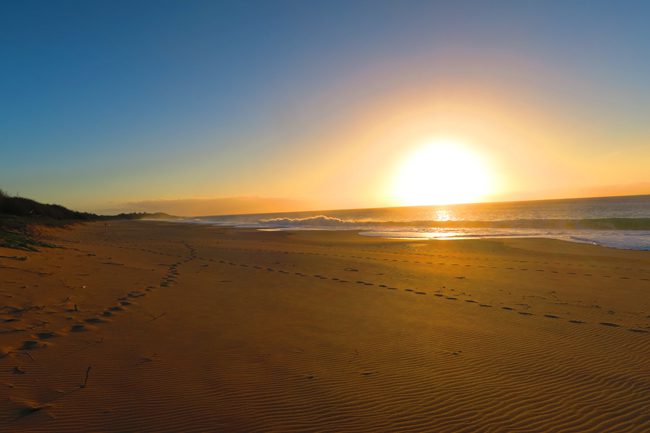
(162, 327)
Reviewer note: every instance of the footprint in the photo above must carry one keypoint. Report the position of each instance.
(610, 324)
(643, 331)
(46, 335)
(507, 308)
(485, 305)
(78, 328)
(29, 345)
(576, 321)
(420, 293)
(551, 316)
(525, 313)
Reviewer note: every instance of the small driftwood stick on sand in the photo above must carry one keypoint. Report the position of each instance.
(157, 317)
(83, 385)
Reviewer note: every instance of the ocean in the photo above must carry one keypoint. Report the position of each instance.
(619, 222)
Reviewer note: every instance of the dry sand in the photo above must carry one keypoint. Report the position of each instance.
(194, 329)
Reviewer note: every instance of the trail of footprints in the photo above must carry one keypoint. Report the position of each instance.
(437, 293)
(443, 256)
(582, 265)
(124, 302)
(40, 338)
(418, 262)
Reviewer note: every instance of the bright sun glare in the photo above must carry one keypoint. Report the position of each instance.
(441, 172)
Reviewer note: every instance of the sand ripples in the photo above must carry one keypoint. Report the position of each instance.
(302, 349)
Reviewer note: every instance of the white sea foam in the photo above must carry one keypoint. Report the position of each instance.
(624, 239)
(319, 221)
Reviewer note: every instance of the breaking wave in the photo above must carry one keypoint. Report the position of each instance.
(311, 221)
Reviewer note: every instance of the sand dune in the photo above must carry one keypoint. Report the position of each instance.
(158, 327)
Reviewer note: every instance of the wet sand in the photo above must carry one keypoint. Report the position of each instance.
(161, 327)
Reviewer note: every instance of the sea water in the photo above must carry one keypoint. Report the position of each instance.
(620, 222)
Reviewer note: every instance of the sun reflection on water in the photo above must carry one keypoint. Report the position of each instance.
(442, 215)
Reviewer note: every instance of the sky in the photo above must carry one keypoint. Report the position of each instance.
(115, 105)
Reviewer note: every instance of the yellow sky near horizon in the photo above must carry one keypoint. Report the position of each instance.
(527, 153)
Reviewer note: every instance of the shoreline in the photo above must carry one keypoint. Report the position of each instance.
(600, 237)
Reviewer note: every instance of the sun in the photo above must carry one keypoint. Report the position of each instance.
(441, 172)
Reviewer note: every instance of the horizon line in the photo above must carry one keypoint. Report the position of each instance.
(415, 206)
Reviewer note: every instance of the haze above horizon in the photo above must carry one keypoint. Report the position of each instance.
(303, 105)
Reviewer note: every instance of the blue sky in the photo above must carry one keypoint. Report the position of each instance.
(107, 102)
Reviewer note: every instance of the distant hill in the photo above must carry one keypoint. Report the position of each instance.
(139, 216)
(25, 207)
(19, 216)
